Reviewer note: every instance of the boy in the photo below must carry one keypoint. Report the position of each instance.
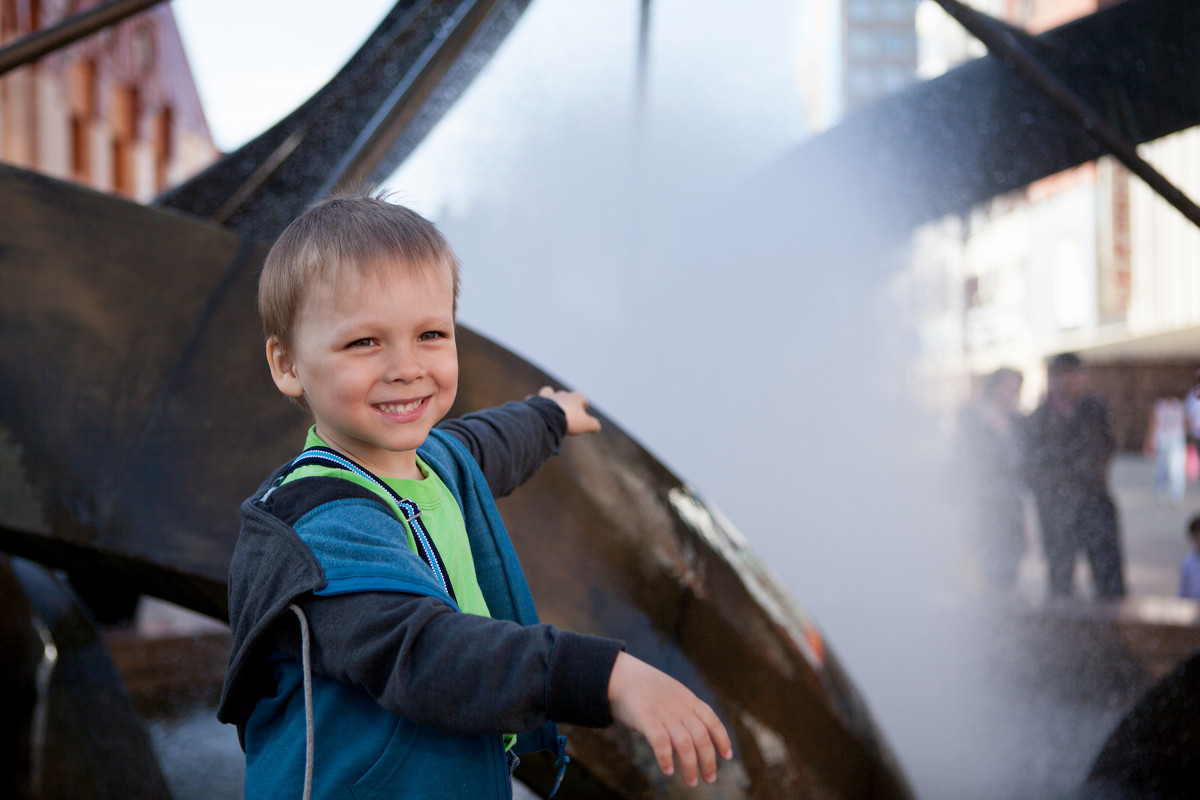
(354, 671)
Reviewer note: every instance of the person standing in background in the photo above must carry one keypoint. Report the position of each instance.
(1191, 410)
(987, 455)
(1166, 443)
(1068, 444)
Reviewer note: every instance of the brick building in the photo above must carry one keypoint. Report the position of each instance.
(117, 111)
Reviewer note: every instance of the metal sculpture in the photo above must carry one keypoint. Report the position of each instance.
(999, 123)
(140, 461)
(135, 394)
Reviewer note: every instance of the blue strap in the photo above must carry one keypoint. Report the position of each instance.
(409, 510)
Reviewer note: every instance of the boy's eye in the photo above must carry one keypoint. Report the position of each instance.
(429, 336)
(365, 342)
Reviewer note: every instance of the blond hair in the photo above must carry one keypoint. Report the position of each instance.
(353, 230)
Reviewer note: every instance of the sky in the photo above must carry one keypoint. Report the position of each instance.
(253, 71)
(634, 262)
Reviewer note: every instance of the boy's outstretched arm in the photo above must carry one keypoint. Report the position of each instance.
(672, 719)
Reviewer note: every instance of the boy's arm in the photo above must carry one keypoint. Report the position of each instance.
(458, 673)
(511, 442)
(466, 674)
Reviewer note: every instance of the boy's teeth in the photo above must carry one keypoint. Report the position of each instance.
(399, 408)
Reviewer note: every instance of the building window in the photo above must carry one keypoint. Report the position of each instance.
(972, 298)
(54, 11)
(82, 97)
(125, 114)
(900, 9)
(860, 43)
(163, 125)
(8, 20)
(896, 43)
(1070, 276)
(859, 10)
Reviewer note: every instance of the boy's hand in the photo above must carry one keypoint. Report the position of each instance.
(575, 406)
(670, 717)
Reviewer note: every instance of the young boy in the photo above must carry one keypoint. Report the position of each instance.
(385, 642)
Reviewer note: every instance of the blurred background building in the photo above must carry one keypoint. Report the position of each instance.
(1089, 260)
(879, 49)
(117, 111)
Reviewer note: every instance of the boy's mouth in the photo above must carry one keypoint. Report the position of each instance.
(401, 408)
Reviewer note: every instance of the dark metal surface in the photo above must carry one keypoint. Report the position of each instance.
(361, 124)
(1153, 753)
(137, 392)
(1008, 45)
(75, 27)
(18, 685)
(73, 730)
(105, 310)
(981, 130)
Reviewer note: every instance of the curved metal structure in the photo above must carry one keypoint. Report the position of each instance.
(987, 127)
(69, 728)
(136, 396)
(155, 416)
(361, 124)
(1152, 752)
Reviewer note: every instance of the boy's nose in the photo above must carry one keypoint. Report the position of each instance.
(403, 366)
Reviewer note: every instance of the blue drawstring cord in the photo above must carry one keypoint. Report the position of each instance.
(560, 764)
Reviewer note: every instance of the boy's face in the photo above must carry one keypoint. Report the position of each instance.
(375, 361)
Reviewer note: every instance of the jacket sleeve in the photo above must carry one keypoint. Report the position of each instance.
(511, 442)
(458, 673)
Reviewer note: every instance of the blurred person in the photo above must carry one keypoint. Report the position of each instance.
(1166, 443)
(1191, 410)
(987, 456)
(1068, 444)
(1189, 578)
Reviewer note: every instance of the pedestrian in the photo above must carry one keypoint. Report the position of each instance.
(385, 642)
(1166, 444)
(1068, 444)
(988, 462)
(1191, 410)
(1189, 578)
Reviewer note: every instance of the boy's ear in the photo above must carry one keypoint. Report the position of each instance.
(283, 368)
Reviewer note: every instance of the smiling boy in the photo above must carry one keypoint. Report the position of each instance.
(373, 357)
(385, 643)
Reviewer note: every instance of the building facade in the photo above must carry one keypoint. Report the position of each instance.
(117, 111)
(1089, 260)
(879, 49)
